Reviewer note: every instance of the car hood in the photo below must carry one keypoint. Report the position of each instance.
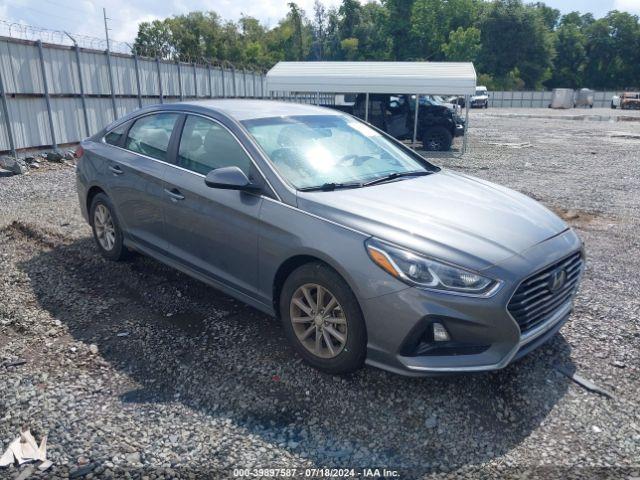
(448, 215)
(479, 97)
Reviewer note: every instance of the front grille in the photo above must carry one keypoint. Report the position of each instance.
(534, 302)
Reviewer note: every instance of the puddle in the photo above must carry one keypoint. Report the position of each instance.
(626, 136)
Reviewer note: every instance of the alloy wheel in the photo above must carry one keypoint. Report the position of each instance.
(318, 320)
(435, 142)
(105, 229)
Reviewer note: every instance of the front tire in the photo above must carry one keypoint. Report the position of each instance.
(107, 232)
(437, 138)
(322, 319)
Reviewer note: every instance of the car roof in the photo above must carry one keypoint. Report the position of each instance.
(249, 109)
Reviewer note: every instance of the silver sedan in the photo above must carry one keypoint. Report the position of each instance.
(366, 251)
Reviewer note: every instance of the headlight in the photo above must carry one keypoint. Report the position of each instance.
(425, 272)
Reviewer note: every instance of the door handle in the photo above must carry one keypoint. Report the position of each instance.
(174, 194)
(116, 170)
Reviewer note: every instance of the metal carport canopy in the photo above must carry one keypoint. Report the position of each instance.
(455, 78)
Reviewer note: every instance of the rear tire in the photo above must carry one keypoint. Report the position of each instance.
(107, 232)
(437, 138)
(341, 311)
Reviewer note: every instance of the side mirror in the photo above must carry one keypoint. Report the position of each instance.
(230, 178)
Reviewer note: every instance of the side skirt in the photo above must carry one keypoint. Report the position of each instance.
(243, 297)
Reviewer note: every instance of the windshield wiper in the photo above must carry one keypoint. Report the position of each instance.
(394, 175)
(328, 187)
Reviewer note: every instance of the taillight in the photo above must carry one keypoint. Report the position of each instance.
(79, 152)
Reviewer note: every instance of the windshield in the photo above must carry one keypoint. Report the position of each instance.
(313, 150)
(480, 92)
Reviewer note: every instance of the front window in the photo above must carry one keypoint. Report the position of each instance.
(205, 145)
(312, 150)
(480, 93)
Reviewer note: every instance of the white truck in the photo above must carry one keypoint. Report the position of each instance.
(481, 98)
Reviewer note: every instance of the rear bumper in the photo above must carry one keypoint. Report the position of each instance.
(81, 189)
(459, 130)
(484, 334)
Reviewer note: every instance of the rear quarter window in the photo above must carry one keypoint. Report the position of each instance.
(114, 137)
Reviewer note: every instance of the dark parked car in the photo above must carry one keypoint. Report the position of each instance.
(394, 114)
(363, 249)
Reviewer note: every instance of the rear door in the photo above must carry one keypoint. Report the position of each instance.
(211, 230)
(135, 175)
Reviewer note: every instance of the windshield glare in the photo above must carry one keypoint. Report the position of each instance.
(313, 150)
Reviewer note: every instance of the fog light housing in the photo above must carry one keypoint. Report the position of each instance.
(440, 333)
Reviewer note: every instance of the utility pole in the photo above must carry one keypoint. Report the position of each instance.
(106, 29)
(111, 82)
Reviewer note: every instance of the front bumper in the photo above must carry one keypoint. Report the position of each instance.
(459, 131)
(484, 334)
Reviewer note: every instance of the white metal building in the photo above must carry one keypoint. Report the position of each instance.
(454, 78)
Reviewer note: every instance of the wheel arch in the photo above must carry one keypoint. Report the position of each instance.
(91, 193)
(290, 264)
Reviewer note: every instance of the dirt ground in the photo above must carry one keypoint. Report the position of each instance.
(134, 370)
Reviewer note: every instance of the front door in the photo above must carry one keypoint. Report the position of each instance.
(211, 230)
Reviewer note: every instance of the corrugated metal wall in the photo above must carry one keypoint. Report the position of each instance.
(510, 99)
(79, 86)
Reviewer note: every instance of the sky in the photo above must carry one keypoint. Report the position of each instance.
(85, 16)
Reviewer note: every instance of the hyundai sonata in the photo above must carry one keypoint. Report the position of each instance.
(366, 251)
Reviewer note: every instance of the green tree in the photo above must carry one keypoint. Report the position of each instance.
(514, 41)
(331, 47)
(512, 44)
(373, 41)
(601, 55)
(398, 27)
(349, 14)
(433, 20)
(350, 48)
(571, 56)
(154, 40)
(550, 16)
(295, 17)
(463, 45)
(319, 29)
(625, 32)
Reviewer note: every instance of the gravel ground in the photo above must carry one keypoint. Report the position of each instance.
(135, 370)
